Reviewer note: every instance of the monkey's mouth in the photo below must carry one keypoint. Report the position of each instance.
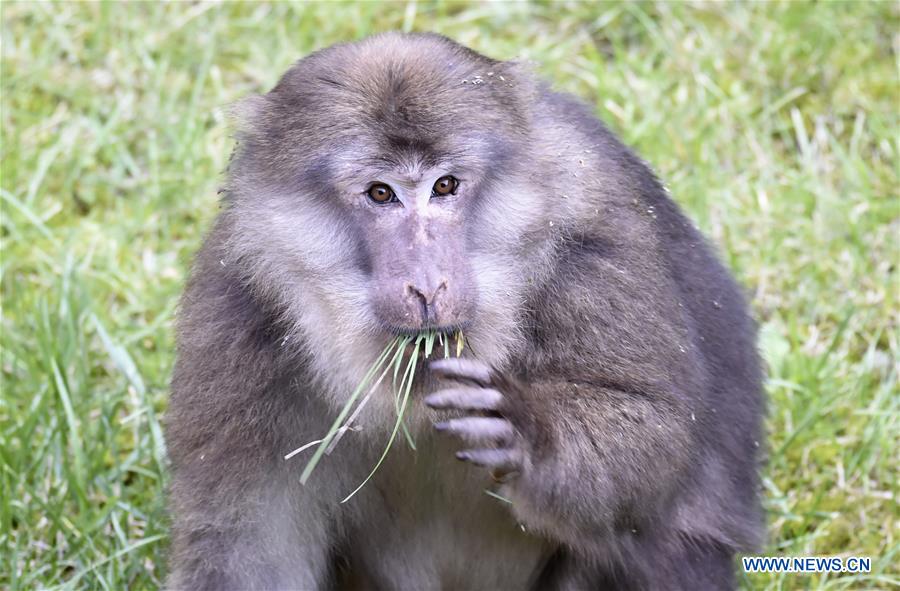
(418, 348)
(441, 331)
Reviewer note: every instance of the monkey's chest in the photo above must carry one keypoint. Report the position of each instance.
(440, 532)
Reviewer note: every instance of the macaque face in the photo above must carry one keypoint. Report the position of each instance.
(413, 234)
(387, 196)
(408, 215)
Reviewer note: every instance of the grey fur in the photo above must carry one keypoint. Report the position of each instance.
(630, 400)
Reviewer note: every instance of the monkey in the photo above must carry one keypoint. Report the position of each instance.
(601, 428)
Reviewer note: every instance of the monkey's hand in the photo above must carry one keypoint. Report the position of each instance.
(580, 457)
(497, 442)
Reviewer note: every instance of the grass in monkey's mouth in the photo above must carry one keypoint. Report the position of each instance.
(392, 357)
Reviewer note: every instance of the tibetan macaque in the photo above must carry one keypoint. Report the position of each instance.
(609, 389)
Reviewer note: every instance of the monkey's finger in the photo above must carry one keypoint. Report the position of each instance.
(462, 369)
(478, 429)
(503, 460)
(466, 399)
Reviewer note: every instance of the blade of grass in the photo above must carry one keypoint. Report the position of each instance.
(491, 493)
(115, 556)
(362, 404)
(412, 361)
(398, 358)
(408, 377)
(429, 343)
(74, 434)
(320, 451)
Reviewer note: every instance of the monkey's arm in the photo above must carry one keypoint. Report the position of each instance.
(595, 427)
(232, 416)
(234, 502)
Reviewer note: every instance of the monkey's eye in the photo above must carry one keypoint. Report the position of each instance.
(446, 185)
(381, 193)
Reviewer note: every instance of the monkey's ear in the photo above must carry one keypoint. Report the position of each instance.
(247, 116)
(519, 76)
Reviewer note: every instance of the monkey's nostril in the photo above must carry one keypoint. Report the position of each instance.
(425, 298)
(426, 295)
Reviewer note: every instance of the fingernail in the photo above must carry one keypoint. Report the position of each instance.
(443, 425)
(462, 456)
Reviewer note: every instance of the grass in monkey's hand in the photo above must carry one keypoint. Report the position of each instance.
(390, 357)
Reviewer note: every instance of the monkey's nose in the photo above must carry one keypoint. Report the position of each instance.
(425, 295)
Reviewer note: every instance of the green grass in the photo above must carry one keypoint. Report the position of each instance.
(774, 125)
(392, 357)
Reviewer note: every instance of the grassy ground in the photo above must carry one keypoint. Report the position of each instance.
(775, 126)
